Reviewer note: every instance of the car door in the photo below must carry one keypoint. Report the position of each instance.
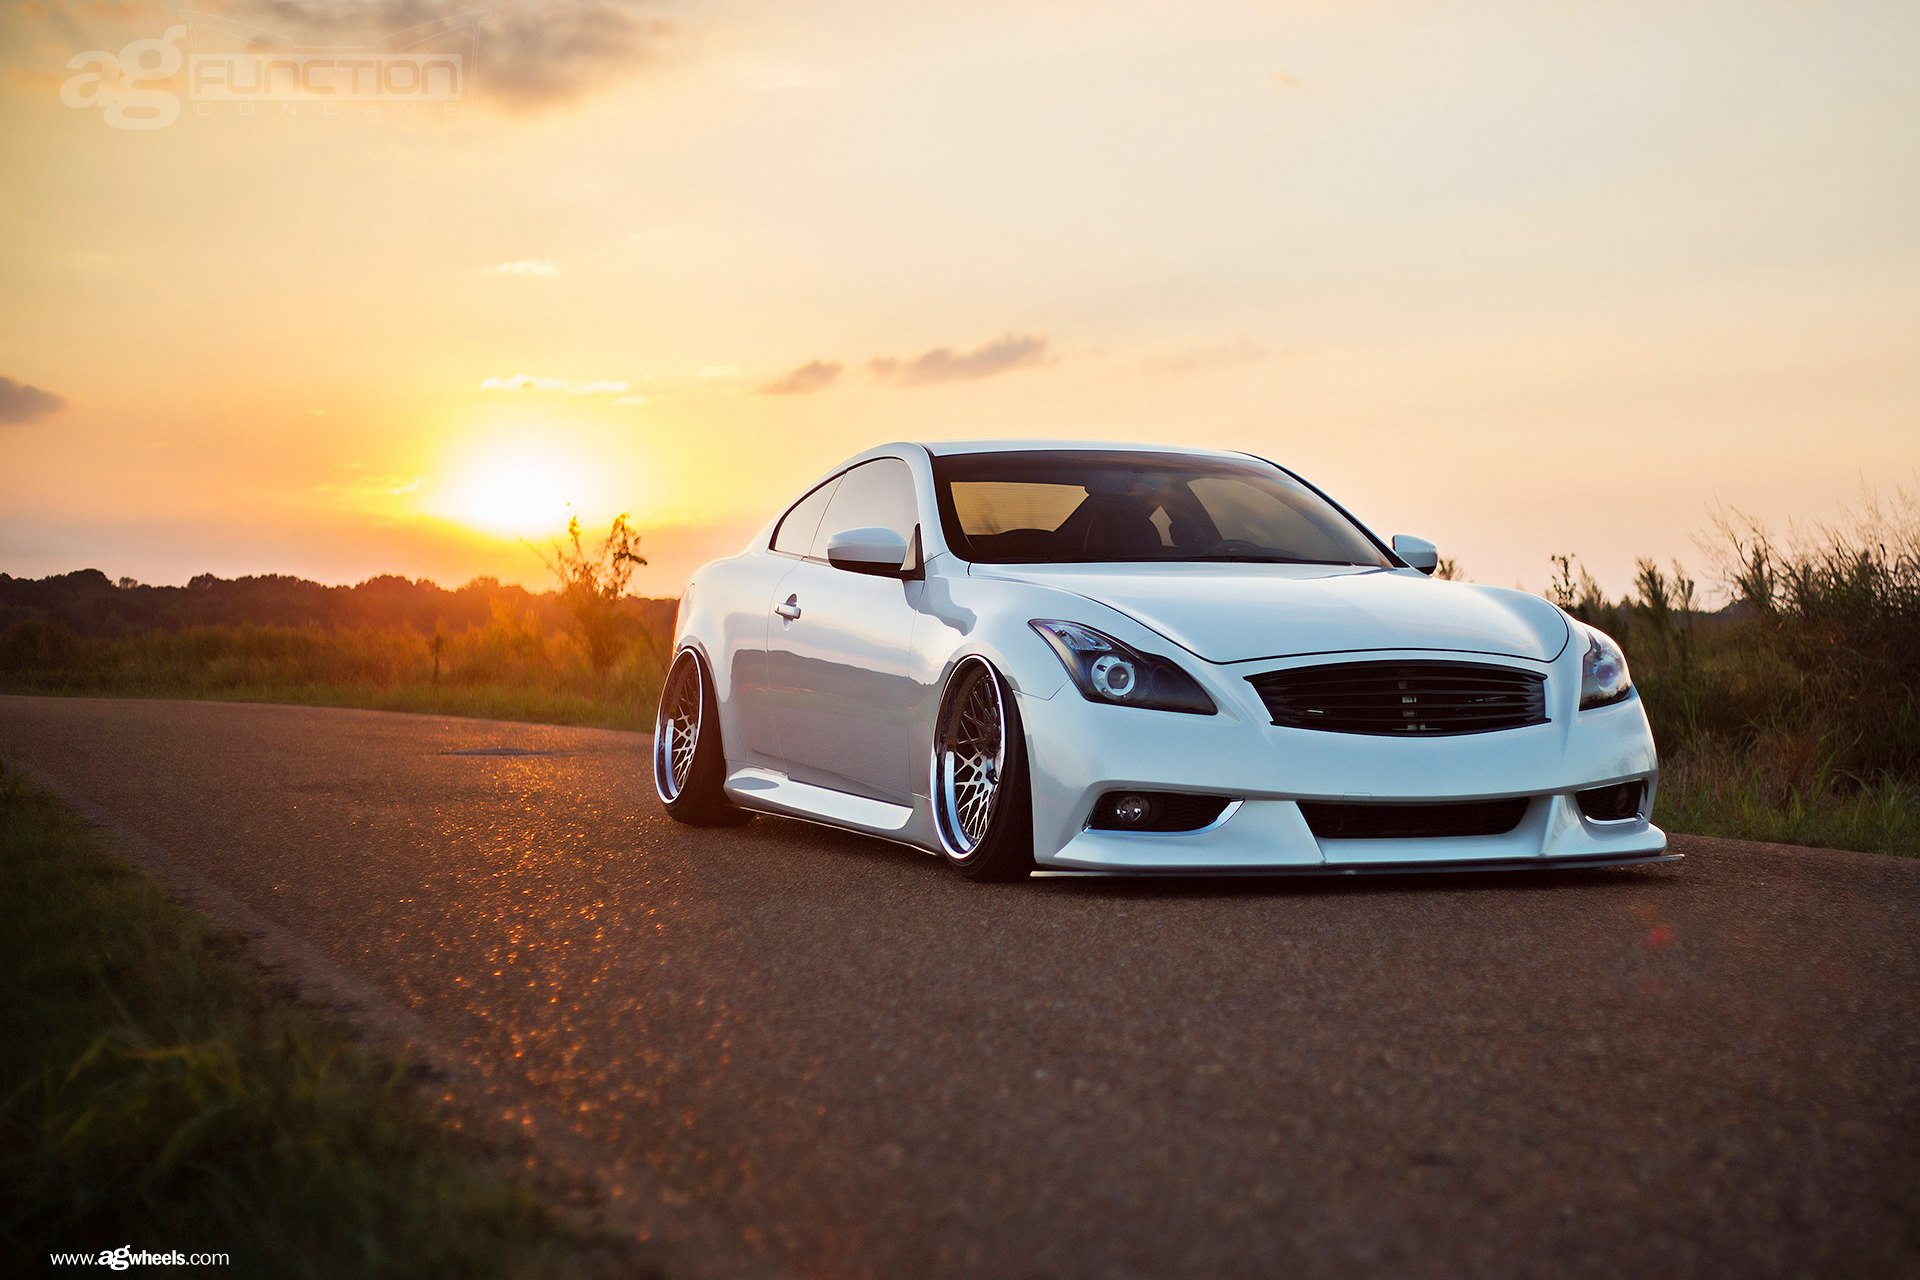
(749, 621)
(837, 650)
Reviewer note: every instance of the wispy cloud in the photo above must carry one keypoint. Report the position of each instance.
(542, 268)
(22, 403)
(557, 386)
(811, 376)
(388, 486)
(361, 487)
(1004, 354)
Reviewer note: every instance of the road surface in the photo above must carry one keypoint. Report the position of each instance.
(784, 1050)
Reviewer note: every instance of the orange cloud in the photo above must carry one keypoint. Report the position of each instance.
(1004, 354)
(811, 376)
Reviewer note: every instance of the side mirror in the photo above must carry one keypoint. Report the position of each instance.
(1417, 552)
(877, 551)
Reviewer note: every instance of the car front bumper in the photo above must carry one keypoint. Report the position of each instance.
(1079, 750)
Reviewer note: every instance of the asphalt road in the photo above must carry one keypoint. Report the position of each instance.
(788, 1050)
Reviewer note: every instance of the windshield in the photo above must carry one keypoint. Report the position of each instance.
(1077, 507)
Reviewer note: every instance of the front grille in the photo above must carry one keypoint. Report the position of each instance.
(1331, 820)
(1404, 698)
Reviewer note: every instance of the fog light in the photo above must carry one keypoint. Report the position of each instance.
(1621, 802)
(1164, 812)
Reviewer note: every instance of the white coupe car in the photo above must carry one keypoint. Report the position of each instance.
(1120, 658)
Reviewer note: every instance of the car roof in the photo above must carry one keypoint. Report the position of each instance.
(942, 448)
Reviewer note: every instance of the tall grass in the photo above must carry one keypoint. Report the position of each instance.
(1793, 715)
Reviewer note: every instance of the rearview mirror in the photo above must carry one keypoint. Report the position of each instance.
(1417, 552)
(876, 551)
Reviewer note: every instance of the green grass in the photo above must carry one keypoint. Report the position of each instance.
(1720, 794)
(156, 1091)
(506, 670)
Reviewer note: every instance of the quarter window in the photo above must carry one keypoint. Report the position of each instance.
(800, 524)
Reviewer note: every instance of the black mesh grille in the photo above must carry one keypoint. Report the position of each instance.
(1341, 821)
(1414, 698)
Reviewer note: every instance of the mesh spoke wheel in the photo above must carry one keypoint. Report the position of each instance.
(676, 734)
(969, 757)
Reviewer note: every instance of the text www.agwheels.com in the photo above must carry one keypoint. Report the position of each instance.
(126, 1256)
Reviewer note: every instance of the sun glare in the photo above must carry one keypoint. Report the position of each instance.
(519, 494)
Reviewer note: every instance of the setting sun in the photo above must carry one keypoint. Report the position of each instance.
(519, 493)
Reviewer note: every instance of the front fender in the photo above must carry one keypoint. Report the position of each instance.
(992, 617)
(962, 616)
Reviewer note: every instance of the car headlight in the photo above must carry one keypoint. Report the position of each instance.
(1604, 678)
(1104, 670)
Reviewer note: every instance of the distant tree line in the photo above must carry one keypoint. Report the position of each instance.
(585, 652)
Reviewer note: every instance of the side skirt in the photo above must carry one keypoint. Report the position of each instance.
(767, 791)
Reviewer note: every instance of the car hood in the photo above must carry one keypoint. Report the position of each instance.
(1237, 612)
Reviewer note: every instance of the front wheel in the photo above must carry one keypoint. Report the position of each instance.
(689, 765)
(982, 802)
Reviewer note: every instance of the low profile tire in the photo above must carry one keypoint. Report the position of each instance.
(982, 801)
(689, 764)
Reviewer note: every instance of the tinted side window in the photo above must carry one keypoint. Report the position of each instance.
(877, 494)
(798, 526)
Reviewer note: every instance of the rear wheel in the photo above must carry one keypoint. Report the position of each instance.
(689, 765)
(982, 803)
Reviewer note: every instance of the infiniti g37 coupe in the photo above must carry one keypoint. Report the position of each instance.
(1064, 657)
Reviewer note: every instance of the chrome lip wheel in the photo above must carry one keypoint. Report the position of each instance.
(676, 732)
(969, 757)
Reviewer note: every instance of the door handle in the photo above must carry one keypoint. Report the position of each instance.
(790, 610)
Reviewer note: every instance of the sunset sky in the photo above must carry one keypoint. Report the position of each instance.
(1518, 277)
